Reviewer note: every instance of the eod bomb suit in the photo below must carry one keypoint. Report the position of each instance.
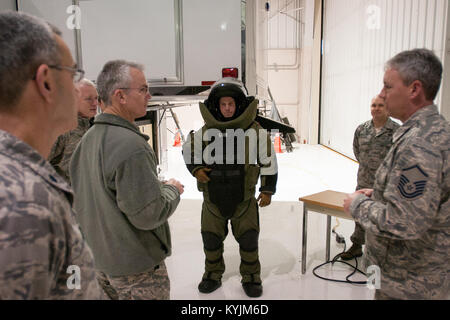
(235, 151)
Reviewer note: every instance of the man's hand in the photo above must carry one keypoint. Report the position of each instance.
(351, 196)
(202, 175)
(176, 184)
(264, 199)
(367, 192)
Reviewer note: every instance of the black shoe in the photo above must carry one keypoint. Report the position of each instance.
(355, 251)
(253, 290)
(209, 285)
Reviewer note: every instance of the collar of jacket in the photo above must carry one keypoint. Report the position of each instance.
(389, 125)
(114, 120)
(418, 116)
(243, 121)
(83, 122)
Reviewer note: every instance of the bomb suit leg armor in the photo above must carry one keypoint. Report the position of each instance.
(229, 188)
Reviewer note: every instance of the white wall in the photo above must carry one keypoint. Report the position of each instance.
(286, 49)
(256, 48)
(212, 38)
(310, 73)
(359, 37)
(275, 39)
(54, 11)
(8, 5)
(138, 30)
(250, 46)
(285, 35)
(445, 90)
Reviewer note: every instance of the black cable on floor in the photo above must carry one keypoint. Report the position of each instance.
(340, 239)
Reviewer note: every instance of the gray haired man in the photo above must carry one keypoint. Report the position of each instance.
(64, 146)
(121, 205)
(42, 253)
(406, 215)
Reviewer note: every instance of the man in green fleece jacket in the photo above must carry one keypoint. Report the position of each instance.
(120, 204)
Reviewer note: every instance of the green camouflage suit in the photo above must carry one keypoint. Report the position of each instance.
(216, 211)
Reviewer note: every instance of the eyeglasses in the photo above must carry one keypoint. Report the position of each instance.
(142, 90)
(77, 74)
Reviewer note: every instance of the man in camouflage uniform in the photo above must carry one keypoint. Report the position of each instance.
(65, 145)
(42, 253)
(371, 143)
(407, 214)
(121, 205)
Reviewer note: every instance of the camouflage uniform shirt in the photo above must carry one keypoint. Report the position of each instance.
(38, 240)
(407, 220)
(65, 145)
(370, 148)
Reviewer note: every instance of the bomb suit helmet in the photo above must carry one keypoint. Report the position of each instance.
(227, 87)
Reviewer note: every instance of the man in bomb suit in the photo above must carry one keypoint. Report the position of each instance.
(226, 156)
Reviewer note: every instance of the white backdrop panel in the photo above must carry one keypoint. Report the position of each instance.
(53, 11)
(359, 37)
(8, 5)
(211, 38)
(140, 30)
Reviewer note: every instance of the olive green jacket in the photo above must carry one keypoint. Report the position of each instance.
(259, 155)
(120, 204)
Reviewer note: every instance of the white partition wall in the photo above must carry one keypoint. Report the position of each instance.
(359, 36)
(144, 31)
(54, 12)
(275, 30)
(138, 30)
(8, 5)
(211, 38)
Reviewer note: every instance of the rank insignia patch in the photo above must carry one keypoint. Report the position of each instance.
(412, 182)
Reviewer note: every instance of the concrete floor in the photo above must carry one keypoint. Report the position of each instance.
(307, 170)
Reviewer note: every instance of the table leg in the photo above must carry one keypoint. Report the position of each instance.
(327, 253)
(304, 236)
